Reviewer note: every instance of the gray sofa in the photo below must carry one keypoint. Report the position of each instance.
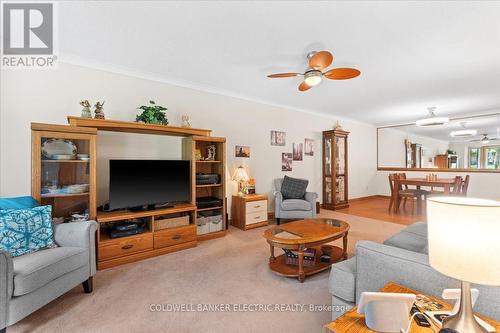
(293, 208)
(403, 258)
(30, 281)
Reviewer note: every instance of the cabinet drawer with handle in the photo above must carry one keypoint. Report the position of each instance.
(256, 206)
(126, 245)
(256, 217)
(173, 236)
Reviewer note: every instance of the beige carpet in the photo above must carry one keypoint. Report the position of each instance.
(230, 270)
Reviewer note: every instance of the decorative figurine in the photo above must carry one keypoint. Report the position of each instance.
(337, 126)
(211, 153)
(98, 112)
(185, 121)
(197, 155)
(86, 113)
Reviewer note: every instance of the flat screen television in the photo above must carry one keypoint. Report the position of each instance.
(136, 184)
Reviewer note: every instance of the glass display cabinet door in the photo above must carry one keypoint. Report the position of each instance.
(63, 165)
(340, 166)
(335, 175)
(327, 167)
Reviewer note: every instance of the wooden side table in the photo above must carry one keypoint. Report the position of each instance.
(249, 211)
(353, 322)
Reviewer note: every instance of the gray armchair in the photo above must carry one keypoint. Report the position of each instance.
(30, 281)
(293, 208)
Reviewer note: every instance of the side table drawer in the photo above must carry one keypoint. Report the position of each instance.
(256, 206)
(126, 245)
(256, 217)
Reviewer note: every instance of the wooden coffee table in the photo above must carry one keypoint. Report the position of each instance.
(299, 235)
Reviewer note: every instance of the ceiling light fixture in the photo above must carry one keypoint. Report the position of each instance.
(485, 139)
(312, 78)
(432, 119)
(464, 132)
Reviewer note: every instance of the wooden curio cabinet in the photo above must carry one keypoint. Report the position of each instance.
(63, 169)
(335, 176)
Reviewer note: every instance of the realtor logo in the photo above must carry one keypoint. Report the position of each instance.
(28, 35)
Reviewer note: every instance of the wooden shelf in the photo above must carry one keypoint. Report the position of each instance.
(60, 195)
(208, 138)
(62, 128)
(208, 161)
(64, 161)
(209, 185)
(210, 208)
(104, 217)
(134, 127)
(281, 268)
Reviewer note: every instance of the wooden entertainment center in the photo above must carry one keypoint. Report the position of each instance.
(158, 238)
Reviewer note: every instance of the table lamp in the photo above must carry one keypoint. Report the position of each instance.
(240, 175)
(463, 244)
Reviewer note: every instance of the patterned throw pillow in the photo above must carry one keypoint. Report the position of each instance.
(27, 230)
(294, 188)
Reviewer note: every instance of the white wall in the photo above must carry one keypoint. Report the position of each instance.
(50, 95)
(392, 150)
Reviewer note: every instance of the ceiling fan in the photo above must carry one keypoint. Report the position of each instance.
(485, 139)
(318, 61)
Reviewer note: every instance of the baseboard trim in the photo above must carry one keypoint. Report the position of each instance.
(369, 197)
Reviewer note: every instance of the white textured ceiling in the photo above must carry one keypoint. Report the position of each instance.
(412, 54)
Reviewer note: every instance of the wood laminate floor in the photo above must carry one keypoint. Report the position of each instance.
(377, 208)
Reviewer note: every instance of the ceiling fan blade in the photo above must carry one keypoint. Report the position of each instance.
(341, 73)
(321, 60)
(304, 86)
(284, 75)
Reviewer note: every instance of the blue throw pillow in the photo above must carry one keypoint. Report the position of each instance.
(27, 230)
(18, 203)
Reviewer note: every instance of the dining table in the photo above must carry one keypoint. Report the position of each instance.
(445, 183)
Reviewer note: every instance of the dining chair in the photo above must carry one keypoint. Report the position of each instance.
(465, 186)
(457, 186)
(403, 193)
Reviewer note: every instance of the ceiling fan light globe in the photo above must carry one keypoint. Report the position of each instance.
(312, 80)
(432, 119)
(463, 133)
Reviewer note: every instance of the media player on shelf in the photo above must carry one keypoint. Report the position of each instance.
(208, 202)
(126, 228)
(207, 178)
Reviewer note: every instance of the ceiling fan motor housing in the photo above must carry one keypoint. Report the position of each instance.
(311, 54)
(312, 77)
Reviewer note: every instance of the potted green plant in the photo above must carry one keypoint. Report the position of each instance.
(152, 114)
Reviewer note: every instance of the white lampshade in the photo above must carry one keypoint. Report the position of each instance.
(240, 174)
(464, 238)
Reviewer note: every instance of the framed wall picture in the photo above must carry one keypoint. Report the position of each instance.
(286, 162)
(242, 151)
(309, 147)
(278, 138)
(297, 151)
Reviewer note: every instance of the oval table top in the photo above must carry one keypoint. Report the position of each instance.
(306, 231)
